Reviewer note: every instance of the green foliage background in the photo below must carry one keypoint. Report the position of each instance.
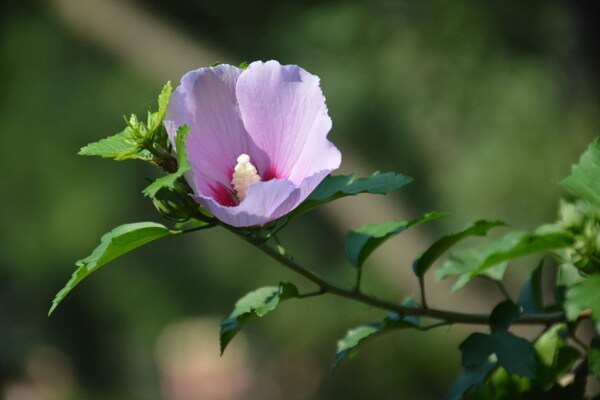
(485, 105)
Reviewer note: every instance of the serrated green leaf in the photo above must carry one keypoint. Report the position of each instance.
(348, 345)
(477, 228)
(583, 296)
(168, 181)
(526, 245)
(594, 357)
(155, 119)
(514, 354)
(471, 377)
(583, 181)
(360, 243)
(530, 297)
(120, 147)
(491, 260)
(503, 315)
(257, 303)
(335, 187)
(113, 244)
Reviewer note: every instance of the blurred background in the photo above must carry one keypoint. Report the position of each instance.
(485, 104)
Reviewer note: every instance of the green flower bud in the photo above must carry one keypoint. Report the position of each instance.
(174, 204)
(571, 216)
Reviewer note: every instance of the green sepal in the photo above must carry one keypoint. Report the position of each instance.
(169, 180)
(257, 303)
(113, 244)
(360, 243)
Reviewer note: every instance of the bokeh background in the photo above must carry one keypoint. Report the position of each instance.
(485, 104)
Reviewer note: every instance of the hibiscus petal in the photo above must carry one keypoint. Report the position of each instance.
(206, 101)
(284, 111)
(263, 204)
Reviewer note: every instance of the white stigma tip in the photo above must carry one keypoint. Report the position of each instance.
(244, 175)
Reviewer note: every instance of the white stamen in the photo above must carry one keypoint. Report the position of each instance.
(244, 175)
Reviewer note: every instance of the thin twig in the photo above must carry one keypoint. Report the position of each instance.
(330, 287)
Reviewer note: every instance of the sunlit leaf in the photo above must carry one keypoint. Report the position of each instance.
(257, 303)
(360, 243)
(554, 356)
(168, 181)
(120, 147)
(335, 187)
(439, 247)
(112, 245)
(582, 296)
(491, 260)
(583, 181)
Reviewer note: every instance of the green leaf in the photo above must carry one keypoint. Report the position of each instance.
(471, 377)
(155, 119)
(120, 147)
(514, 354)
(477, 228)
(257, 303)
(530, 297)
(528, 244)
(583, 181)
(594, 357)
(503, 315)
(168, 181)
(335, 187)
(243, 65)
(112, 245)
(360, 243)
(474, 262)
(348, 345)
(583, 296)
(554, 356)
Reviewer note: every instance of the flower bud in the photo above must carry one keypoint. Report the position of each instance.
(174, 204)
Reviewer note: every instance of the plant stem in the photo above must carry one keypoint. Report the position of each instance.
(422, 288)
(330, 287)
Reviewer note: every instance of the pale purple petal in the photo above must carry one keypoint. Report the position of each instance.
(284, 111)
(276, 114)
(206, 101)
(262, 204)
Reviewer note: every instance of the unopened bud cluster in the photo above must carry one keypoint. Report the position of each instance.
(582, 220)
